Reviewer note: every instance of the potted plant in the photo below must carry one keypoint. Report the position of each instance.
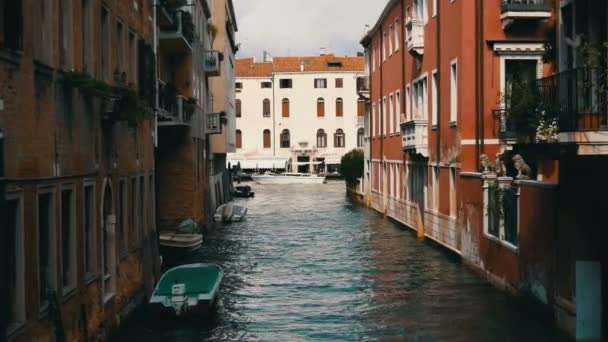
(591, 84)
(522, 106)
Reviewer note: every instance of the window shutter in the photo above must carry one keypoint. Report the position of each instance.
(238, 108)
(266, 139)
(339, 82)
(285, 108)
(339, 108)
(320, 108)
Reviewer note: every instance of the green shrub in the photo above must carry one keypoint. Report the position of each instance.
(351, 165)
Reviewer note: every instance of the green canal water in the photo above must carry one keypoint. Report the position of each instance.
(308, 265)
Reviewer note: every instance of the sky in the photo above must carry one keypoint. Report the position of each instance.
(302, 27)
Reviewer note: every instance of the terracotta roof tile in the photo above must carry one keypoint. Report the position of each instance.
(248, 68)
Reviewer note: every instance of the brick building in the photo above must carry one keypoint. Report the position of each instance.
(76, 118)
(460, 146)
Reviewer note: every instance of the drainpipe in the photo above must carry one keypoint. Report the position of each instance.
(371, 121)
(381, 111)
(479, 82)
(4, 248)
(438, 42)
(156, 105)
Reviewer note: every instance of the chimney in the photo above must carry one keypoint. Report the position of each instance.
(302, 67)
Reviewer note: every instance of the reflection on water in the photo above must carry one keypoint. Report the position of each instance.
(309, 265)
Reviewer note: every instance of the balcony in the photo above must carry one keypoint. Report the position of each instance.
(577, 100)
(177, 35)
(174, 110)
(415, 136)
(360, 121)
(363, 86)
(211, 63)
(524, 11)
(213, 120)
(415, 36)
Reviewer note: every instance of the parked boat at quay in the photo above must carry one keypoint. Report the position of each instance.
(288, 178)
(230, 213)
(179, 243)
(187, 290)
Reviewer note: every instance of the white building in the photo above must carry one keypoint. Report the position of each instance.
(297, 112)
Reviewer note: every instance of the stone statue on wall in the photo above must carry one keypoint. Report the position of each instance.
(486, 164)
(523, 170)
(501, 169)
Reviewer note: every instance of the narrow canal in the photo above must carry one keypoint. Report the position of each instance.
(310, 265)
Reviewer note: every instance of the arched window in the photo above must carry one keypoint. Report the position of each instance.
(266, 108)
(266, 138)
(321, 139)
(239, 139)
(238, 108)
(285, 107)
(339, 107)
(320, 107)
(360, 134)
(339, 138)
(285, 143)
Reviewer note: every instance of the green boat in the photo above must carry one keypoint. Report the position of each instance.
(187, 289)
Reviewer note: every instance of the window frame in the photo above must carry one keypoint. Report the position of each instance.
(434, 99)
(339, 83)
(266, 108)
(238, 139)
(238, 108)
(286, 83)
(320, 83)
(285, 143)
(285, 107)
(397, 112)
(339, 138)
(43, 306)
(320, 107)
(266, 134)
(19, 300)
(454, 92)
(68, 288)
(500, 237)
(323, 136)
(397, 28)
(339, 107)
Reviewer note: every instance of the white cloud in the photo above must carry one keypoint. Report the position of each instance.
(302, 27)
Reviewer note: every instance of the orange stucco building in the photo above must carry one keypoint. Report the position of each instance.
(460, 147)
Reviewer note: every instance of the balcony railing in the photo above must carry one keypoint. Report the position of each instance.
(363, 87)
(211, 63)
(577, 99)
(174, 110)
(415, 136)
(178, 34)
(213, 119)
(415, 35)
(360, 120)
(524, 10)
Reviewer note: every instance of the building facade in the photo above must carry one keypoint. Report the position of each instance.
(478, 114)
(224, 41)
(297, 113)
(76, 116)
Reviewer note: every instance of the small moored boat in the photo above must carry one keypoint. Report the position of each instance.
(188, 289)
(288, 178)
(243, 191)
(179, 243)
(230, 213)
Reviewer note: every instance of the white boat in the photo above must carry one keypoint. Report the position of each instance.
(288, 178)
(179, 243)
(230, 213)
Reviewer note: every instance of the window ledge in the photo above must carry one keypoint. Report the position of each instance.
(453, 124)
(503, 243)
(434, 127)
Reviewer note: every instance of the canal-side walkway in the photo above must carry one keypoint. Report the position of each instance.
(310, 265)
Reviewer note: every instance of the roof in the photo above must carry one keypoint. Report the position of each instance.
(247, 67)
(368, 36)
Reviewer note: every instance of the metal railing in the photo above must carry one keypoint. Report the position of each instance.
(525, 6)
(211, 63)
(363, 84)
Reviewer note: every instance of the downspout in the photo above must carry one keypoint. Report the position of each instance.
(371, 121)
(381, 111)
(481, 82)
(438, 95)
(4, 249)
(403, 95)
(156, 104)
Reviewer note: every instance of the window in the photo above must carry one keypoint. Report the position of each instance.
(373, 58)
(85, 35)
(360, 108)
(105, 44)
(42, 19)
(133, 232)
(408, 111)
(285, 143)
(434, 99)
(132, 58)
(68, 240)
(11, 27)
(65, 13)
(266, 85)
(453, 93)
(320, 82)
(397, 27)
(339, 138)
(339, 82)
(420, 99)
(46, 248)
(396, 112)
(121, 218)
(266, 138)
(384, 121)
(360, 135)
(266, 108)
(384, 46)
(142, 210)
(321, 139)
(238, 108)
(519, 71)
(434, 8)
(120, 43)
(453, 209)
(339, 107)
(285, 108)
(16, 261)
(390, 39)
(285, 83)
(320, 107)
(239, 139)
(238, 85)
(374, 121)
(420, 10)
(389, 114)
(435, 188)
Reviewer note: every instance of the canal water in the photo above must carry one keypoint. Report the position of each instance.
(308, 265)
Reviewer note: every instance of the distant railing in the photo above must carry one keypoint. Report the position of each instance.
(525, 6)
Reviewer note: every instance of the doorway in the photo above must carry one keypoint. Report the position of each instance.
(304, 164)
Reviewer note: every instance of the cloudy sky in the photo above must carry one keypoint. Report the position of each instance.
(302, 27)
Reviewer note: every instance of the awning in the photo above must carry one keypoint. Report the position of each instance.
(252, 164)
